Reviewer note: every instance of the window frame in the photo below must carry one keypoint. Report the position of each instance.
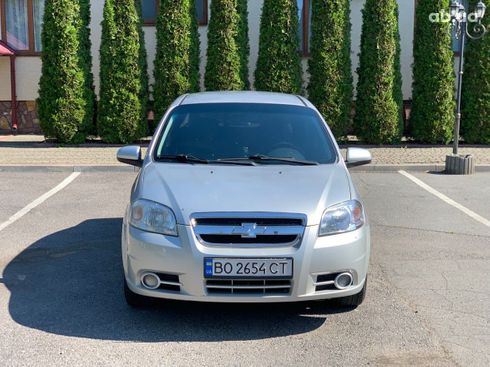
(153, 22)
(162, 133)
(30, 29)
(305, 36)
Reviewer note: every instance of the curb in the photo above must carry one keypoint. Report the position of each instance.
(126, 168)
(62, 168)
(411, 167)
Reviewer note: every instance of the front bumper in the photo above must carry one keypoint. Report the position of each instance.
(184, 256)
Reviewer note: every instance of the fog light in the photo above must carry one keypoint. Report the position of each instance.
(150, 281)
(343, 280)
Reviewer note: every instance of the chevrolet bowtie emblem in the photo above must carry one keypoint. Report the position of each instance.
(247, 230)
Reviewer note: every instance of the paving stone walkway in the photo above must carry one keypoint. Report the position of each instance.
(28, 150)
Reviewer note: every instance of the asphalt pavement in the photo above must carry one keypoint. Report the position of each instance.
(61, 301)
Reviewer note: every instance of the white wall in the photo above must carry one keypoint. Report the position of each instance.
(28, 72)
(356, 22)
(4, 78)
(406, 21)
(254, 12)
(96, 8)
(203, 38)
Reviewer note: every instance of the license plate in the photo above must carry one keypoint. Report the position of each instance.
(248, 268)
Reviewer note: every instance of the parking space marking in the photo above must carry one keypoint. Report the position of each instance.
(39, 200)
(446, 199)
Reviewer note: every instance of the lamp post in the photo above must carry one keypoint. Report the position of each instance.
(456, 164)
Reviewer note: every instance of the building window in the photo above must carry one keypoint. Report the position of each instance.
(304, 15)
(202, 12)
(21, 24)
(150, 11)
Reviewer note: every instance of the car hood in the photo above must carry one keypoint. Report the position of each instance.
(189, 189)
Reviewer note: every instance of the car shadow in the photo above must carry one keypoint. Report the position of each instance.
(70, 283)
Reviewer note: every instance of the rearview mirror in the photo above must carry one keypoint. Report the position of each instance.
(357, 157)
(130, 154)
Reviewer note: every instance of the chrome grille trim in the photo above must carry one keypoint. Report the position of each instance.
(260, 230)
(286, 229)
(260, 221)
(328, 282)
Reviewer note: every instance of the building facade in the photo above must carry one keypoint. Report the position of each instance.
(21, 24)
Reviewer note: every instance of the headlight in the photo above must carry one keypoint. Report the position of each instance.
(153, 217)
(344, 217)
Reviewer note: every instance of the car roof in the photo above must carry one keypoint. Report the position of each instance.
(243, 97)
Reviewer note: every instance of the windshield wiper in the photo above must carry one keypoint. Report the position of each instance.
(183, 158)
(187, 158)
(265, 158)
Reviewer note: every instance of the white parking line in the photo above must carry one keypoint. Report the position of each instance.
(39, 201)
(444, 198)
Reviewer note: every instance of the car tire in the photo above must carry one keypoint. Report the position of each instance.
(356, 299)
(135, 300)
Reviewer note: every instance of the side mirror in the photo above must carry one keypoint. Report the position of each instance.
(357, 157)
(130, 154)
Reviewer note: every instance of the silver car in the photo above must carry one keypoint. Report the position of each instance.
(244, 197)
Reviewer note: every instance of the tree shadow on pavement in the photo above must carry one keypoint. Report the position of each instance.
(70, 283)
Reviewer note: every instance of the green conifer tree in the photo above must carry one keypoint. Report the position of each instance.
(65, 106)
(223, 67)
(432, 116)
(330, 85)
(379, 101)
(177, 57)
(279, 62)
(121, 104)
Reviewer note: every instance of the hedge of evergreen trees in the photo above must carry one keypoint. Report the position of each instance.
(330, 85)
(122, 105)
(225, 32)
(379, 95)
(66, 100)
(475, 124)
(432, 116)
(177, 55)
(279, 63)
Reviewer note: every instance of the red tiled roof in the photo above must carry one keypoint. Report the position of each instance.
(5, 50)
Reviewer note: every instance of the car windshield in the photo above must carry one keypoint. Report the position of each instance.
(262, 133)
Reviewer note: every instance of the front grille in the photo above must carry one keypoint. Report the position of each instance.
(249, 286)
(231, 239)
(249, 229)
